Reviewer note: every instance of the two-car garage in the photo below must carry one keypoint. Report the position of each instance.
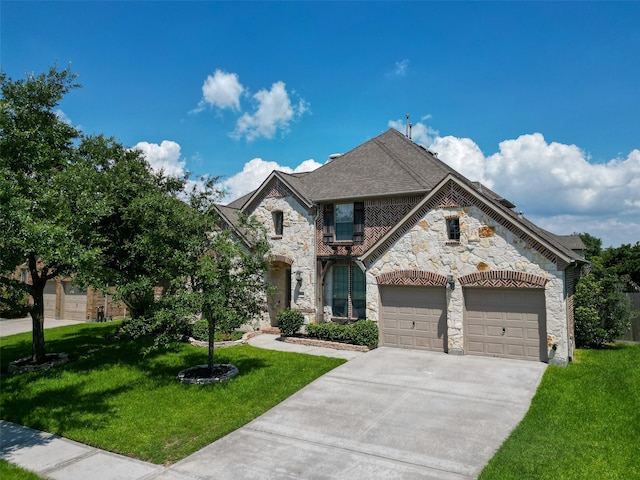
(497, 322)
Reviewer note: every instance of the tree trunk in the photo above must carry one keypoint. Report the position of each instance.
(37, 321)
(212, 328)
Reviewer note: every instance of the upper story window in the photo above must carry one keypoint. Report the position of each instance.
(343, 222)
(278, 221)
(453, 229)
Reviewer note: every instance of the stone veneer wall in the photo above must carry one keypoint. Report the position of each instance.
(485, 245)
(296, 243)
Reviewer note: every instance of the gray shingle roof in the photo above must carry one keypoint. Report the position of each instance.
(389, 164)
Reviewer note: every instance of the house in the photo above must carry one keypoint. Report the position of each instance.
(64, 300)
(390, 233)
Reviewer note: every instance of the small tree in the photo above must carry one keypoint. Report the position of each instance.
(229, 279)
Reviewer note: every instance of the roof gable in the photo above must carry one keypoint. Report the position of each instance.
(458, 192)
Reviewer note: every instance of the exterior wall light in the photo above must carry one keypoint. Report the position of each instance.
(299, 276)
(452, 282)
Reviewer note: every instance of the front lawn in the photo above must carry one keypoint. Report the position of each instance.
(110, 397)
(584, 422)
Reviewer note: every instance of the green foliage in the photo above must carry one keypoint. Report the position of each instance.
(589, 412)
(593, 244)
(290, 321)
(622, 261)
(365, 332)
(200, 331)
(43, 222)
(109, 397)
(602, 311)
(13, 303)
(362, 332)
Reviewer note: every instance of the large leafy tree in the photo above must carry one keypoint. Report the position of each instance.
(602, 310)
(41, 225)
(145, 228)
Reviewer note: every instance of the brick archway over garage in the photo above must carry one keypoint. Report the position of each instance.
(279, 258)
(418, 278)
(502, 279)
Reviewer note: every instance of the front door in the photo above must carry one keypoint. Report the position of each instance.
(279, 278)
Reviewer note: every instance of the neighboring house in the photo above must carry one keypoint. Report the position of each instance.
(390, 233)
(63, 300)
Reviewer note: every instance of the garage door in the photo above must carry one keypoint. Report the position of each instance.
(50, 299)
(505, 322)
(75, 303)
(413, 317)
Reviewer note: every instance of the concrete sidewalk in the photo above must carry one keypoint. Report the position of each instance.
(389, 413)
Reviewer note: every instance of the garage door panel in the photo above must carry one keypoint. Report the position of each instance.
(505, 322)
(413, 317)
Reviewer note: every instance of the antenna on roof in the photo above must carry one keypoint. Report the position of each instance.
(410, 127)
(406, 128)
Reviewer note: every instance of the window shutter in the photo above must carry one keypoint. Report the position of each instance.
(358, 222)
(328, 226)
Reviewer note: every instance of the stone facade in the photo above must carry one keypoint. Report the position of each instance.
(485, 245)
(295, 246)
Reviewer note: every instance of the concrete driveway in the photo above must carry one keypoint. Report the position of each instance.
(387, 414)
(11, 326)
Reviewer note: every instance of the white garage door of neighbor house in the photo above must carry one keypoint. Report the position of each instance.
(505, 322)
(75, 303)
(50, 299)
(413, 317)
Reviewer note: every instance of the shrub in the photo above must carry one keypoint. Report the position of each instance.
(200, 330)
(289, 322)
(363, 332)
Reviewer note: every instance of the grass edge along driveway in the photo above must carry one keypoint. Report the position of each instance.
(583, 423)
(110, 397)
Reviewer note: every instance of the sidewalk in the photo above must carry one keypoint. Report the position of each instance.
(51, 456)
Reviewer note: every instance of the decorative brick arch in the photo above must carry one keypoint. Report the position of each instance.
(419, 278)
(279, 258)
(502, 278)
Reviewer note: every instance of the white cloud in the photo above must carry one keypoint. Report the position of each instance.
(255, 172)
(222, 90)
(401, 68)
(165, 157)
(62, 116)
(553, 183)
(274, 112)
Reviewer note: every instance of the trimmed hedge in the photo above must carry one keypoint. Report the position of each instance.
(289, 322)
(363, 332)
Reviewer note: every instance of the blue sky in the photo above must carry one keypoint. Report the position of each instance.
(540, 101)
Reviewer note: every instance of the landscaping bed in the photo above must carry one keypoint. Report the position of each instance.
(315, 342)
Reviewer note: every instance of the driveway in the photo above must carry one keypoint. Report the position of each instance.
(388, 414)
(11, 326)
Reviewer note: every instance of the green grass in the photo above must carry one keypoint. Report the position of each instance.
(11, 472)
(110, 397)
(584, 422)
